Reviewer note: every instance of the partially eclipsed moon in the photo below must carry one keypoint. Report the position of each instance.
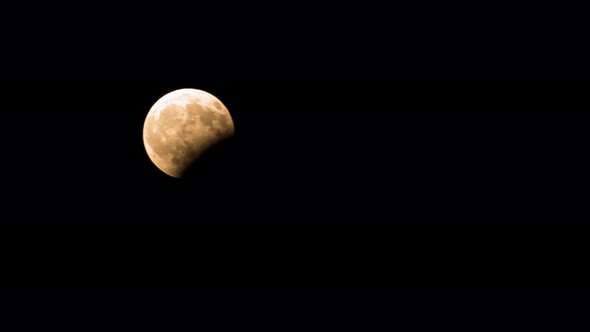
(181, 126)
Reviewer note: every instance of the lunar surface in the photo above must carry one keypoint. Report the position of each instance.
(181, 126)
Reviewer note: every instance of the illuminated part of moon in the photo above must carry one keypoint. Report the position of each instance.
(181, 126)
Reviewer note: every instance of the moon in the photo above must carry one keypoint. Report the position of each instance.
(181, 126)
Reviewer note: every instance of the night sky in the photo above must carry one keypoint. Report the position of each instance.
(391, 166)
(323, 180)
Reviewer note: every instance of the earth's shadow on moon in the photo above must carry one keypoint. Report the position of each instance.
(206, 191)
(211, 173)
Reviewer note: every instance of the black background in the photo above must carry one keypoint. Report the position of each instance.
(369, 184)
